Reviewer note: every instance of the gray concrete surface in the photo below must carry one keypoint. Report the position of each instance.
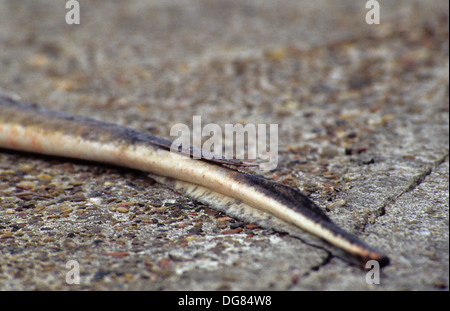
(363, 121)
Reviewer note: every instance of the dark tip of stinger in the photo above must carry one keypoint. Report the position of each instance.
(384, 261)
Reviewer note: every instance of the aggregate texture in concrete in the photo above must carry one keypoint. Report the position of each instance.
(363, 131)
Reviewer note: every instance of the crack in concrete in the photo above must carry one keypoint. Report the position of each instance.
(326, 260)
(415, 182)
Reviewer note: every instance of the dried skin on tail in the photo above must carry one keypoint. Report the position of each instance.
(18, 112)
